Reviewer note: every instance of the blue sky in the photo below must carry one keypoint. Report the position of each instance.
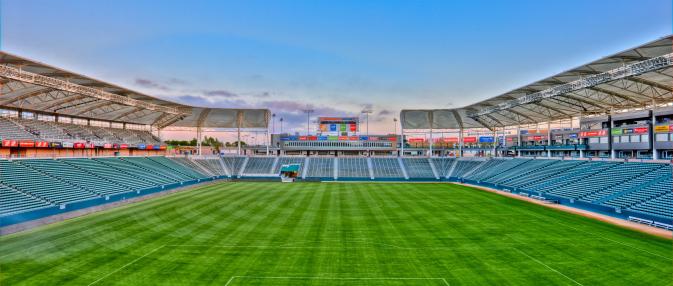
(337, 56)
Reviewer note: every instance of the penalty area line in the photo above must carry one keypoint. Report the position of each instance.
(443, 280)
(126, 265)
(547, 266)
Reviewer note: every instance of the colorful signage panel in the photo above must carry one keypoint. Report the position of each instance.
(663, 128)
(593, 133)
(470, 139)
(10, 143)
(486, 139)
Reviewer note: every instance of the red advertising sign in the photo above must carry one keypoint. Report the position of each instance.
(303, 138)
(343, 138)
(312, 138)
(107, 146)
(392, 138)
(78, 145)
(469, 139)
(593, 133)
(149, 147)
(162, 147)
(123, 146)
(416, 140)
(353, 127)
(27, 143)
(10, 143)
(41, 144)
(640, 130)
(354, 138)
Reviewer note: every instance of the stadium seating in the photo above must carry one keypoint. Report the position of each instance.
(30, 129)
(320, 168)
(234, 164)
(351, 167)
(464, 167)
(442, 165)
(39, 184)
(259, 165)
(386, 168)
(212, 165)
(9, 129)
(74, 176)
(418, 168)
(12, 201)
(31, 184)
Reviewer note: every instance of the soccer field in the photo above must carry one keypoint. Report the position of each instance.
(334, 234)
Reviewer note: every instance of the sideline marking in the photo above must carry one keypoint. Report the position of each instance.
(443, 280)
(126, 265)
(548, 267)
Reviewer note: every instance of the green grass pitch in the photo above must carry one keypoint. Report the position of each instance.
(334, 234)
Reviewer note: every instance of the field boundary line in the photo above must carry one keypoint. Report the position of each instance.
(581, 212)
(126, 265)
(547, 266)
(443, 280)
(610, 239)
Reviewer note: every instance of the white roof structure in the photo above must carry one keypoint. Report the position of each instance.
(641, 77)
(33, 86)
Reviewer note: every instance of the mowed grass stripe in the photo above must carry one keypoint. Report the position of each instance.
(355, 230)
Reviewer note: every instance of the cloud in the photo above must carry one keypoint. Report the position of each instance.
(220, 93)
(147, 83)
(385, 112)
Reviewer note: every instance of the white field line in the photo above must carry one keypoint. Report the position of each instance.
(126, 265)
(547, 266)
(338, 278)
(612, 240)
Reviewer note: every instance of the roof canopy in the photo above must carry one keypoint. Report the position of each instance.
(34, 86)
(641, 77)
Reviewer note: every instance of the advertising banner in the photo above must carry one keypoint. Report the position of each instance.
(67, 145)
(662, 128)
(123, 146)
(640, 130)
(27, 143)
(322, 138)
(78, 145)
(342, 127)
(353, 127)
(332, 138)
(141, 146)
(593, 133)
(10, 143)
(41, 144)
(332, 127)
(55, 145)
(343, 138)
(470, 139)
(486, 139)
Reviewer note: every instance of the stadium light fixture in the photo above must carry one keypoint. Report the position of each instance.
(366, 112)
(308, 112)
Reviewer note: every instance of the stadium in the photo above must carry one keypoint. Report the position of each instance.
(564, 181)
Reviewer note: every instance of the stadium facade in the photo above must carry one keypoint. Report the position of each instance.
(597, 137)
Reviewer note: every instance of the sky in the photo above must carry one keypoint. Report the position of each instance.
(338, 57)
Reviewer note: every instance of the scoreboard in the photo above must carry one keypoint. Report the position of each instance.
(338, 125)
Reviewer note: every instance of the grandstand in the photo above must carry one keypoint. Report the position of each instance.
(614, 164)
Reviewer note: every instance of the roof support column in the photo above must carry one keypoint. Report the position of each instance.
(430, 142)
(518, 140)
(401, 142)
(612, 125)
(549, 138)
(495, 139)
(579, 121)
(198, 140)
(268, 141)
(655, 156)
(460, 143)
